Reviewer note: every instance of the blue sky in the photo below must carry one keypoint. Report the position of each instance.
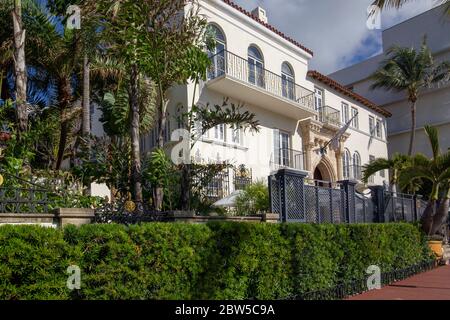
(334, 29)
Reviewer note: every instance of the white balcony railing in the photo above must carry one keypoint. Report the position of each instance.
(287, 159)
(330, 115)
(227, 63)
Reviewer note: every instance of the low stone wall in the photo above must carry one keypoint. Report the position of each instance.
(62, 217)
(191, 217)
(57, 219)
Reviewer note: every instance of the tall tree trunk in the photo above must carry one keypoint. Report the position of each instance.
(20, 67)
(86, 112)
(64, 94)
(427, 217)
(86, 129)
(159, 191)
(441, 215)
(135, 135)
(413, 128)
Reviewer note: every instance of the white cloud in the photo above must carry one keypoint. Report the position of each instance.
(334, 29)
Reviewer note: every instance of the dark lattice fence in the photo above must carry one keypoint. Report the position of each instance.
(399, 206)
(299, 199)
(324, 203)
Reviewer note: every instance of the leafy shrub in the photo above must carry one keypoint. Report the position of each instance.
(209, 261)
(253, 200)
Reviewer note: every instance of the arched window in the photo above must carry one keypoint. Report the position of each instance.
(217, 53)
(357, 166)
(288, 81)
(346, 159)
(255, 66)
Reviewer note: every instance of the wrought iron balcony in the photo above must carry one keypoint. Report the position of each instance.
(287, 158)
(228, 65)
(329, 115)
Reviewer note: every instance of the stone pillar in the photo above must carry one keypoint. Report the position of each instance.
(307, 148)
(74, 216)
(339, 167)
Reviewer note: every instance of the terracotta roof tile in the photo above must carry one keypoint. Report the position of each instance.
(268, 26)
(349, 93)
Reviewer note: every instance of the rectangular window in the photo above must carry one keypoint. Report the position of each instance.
(371, 125)
(219, 132)
(379, 128)
(344, 112)
(355, 121)
(236, 136)
(382, 174)
(281, 148)
(318, 98)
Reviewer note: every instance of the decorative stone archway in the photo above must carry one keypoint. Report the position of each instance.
(325, 169)
(315, 134)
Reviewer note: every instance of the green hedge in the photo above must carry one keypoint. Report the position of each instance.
(211, 261)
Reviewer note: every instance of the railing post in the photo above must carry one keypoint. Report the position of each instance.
(349, 196)
(378, 203)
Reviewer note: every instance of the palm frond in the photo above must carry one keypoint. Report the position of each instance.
(433, 138)
(376, 166)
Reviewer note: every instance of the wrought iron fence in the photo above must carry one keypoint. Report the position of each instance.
(118, 212)
(20, 200)
(299, 199)
(358, 286)
(19, 196)
(324, 202)
(242, 177)
(230, 64)
(399, 207)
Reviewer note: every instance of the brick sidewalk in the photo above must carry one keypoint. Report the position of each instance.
(431, 285)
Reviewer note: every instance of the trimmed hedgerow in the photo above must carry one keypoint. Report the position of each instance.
(210, 261)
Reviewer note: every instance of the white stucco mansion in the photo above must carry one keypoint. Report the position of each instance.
(299, 110)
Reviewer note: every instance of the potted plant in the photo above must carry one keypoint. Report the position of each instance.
(436, 245)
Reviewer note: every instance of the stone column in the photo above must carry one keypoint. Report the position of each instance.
(339, 168)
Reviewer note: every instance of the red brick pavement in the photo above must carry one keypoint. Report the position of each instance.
(431, 285)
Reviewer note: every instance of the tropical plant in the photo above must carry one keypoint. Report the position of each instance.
(385, 4)
(159, 172)
(106, 160)
(395, 165)
(437, 171)
(201, 118)
(253, 200)
(410, 71)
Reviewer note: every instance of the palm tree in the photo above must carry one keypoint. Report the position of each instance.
(56, 55)
(20, 66)
(437, 171)
(384, 4)
(406, 70)
(395, 165)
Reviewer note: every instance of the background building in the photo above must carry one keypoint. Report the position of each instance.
(433, 106)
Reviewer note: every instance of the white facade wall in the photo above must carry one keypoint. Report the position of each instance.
(256, 150)
(360, 139)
